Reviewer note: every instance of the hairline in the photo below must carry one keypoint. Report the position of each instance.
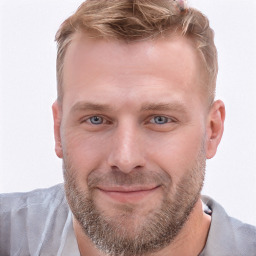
(168, 35)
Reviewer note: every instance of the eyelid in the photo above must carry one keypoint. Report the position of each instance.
(86, 119)
(106, 120)
(172, 119)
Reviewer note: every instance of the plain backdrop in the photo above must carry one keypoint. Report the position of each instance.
(28, 88)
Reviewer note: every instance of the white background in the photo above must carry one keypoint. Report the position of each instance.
(28, 88)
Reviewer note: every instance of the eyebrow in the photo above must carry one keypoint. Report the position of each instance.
(82, 106)
(175, 106)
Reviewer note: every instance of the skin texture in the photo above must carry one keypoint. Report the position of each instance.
(133, 129)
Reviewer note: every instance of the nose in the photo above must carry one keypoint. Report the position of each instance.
(126, 152)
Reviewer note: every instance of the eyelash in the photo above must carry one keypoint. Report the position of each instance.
(105, 121)
(167, 119)
(88, 120)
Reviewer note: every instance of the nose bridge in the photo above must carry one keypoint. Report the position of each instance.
(126, 151)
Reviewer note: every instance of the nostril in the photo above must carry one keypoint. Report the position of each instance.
(126, 170)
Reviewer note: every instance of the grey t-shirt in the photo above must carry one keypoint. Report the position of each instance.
(37, 223)
(40, 223)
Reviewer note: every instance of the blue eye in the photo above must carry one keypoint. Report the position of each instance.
(96, 120)
(160, 120)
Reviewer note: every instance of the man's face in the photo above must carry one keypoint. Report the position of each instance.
(133, 139)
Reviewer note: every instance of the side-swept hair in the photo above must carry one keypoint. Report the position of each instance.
(134, 20)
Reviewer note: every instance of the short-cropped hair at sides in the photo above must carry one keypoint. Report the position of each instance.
(135, 20)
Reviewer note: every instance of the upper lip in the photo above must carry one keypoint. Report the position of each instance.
(127, 188)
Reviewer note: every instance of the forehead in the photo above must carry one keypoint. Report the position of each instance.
(168, 50)
(97, 66)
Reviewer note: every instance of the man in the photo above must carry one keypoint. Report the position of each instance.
(134, 122)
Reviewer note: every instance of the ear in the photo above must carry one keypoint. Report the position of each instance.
(56, 111)
(215, 127)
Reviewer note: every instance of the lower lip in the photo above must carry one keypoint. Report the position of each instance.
(129, 196)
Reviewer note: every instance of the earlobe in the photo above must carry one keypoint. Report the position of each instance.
(215, 127)
(56, 111)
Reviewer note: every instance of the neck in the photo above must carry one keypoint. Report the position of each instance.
(189, 242)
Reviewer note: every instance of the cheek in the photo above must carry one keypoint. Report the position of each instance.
(85, 153)
(176, 153)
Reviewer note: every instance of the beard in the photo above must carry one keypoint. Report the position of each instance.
(124, 233)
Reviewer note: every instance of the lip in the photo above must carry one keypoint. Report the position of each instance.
(128, 194)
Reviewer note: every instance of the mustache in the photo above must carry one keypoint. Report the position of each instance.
(116, 177)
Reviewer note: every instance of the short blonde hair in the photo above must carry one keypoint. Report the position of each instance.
(134, 20)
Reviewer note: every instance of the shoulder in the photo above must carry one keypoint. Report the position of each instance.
(227, 235)
(28, 219)
(39, 197)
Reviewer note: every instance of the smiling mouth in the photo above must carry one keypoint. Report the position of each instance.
(128, 194)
